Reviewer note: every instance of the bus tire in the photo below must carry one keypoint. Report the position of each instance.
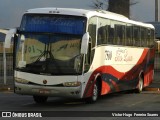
(95, 94)
(40, 99)
(140, 85)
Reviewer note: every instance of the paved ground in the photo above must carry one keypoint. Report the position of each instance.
(127, 103)
(9, 83)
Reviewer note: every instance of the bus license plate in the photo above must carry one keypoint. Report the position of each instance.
(44, 91)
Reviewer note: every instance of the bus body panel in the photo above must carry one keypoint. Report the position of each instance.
(119, 68)
(51, 80)
(53, 86)
(24, 89)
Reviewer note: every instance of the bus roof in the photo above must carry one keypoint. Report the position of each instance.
(87, 13)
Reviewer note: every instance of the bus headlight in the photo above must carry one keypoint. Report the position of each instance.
(20, 80)
(72, 84)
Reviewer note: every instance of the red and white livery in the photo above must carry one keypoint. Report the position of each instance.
(80, 53)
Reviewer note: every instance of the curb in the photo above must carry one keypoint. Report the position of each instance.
(6, 88)
(152, 89)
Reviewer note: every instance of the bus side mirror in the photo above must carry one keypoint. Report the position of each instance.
(8, 38)
(84, 44)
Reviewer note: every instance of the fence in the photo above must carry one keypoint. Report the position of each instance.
(9, 68)
(157, 61)
(9, 65)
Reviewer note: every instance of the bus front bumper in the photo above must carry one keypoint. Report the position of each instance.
(25, 89)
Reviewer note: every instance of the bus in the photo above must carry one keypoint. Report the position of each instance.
(81, 54)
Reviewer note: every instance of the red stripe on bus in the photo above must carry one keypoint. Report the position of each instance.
(131, 74)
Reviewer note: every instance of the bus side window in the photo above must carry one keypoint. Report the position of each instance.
(117, 35)
(129, 41)
(92, 27)
(120, 33)
(124, 34)
(148, 34)
(143, 37)
(102, 31)
(101, 36)
(111, 31)
(136, 36)
(92, 30)
(152, 38)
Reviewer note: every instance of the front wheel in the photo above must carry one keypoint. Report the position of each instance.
(95, 94)
(40, 99)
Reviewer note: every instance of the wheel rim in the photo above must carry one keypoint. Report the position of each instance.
(95, 92)
(140, 84)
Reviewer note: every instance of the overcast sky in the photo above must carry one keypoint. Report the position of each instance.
(11, 11)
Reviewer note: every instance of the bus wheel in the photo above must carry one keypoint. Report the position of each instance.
(40, 99)
(95, 94)
(140, 85)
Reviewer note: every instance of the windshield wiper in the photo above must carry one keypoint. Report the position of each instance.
(45, 63)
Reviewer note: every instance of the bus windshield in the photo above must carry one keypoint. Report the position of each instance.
(49, 45)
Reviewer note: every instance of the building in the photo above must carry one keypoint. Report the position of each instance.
(9, 59)
(157, 35)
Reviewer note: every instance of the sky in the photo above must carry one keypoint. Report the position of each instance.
(11, 11)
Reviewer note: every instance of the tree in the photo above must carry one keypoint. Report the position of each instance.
(100, 4)
(120, 7)
(117, 6)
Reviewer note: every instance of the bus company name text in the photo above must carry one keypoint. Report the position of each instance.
(122, 55)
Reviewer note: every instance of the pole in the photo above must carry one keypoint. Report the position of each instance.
(4, 65)
(156, 10)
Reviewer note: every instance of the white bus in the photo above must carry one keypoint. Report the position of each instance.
(80, 53)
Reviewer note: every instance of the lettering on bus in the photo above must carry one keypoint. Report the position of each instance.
(108, 55)
(122, 55)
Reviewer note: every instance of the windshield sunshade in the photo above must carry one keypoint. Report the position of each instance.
(53, 23)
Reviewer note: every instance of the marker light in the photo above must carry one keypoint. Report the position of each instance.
(20, 80)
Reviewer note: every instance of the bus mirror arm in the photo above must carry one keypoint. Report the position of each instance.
(8, 37)
(84, 44)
